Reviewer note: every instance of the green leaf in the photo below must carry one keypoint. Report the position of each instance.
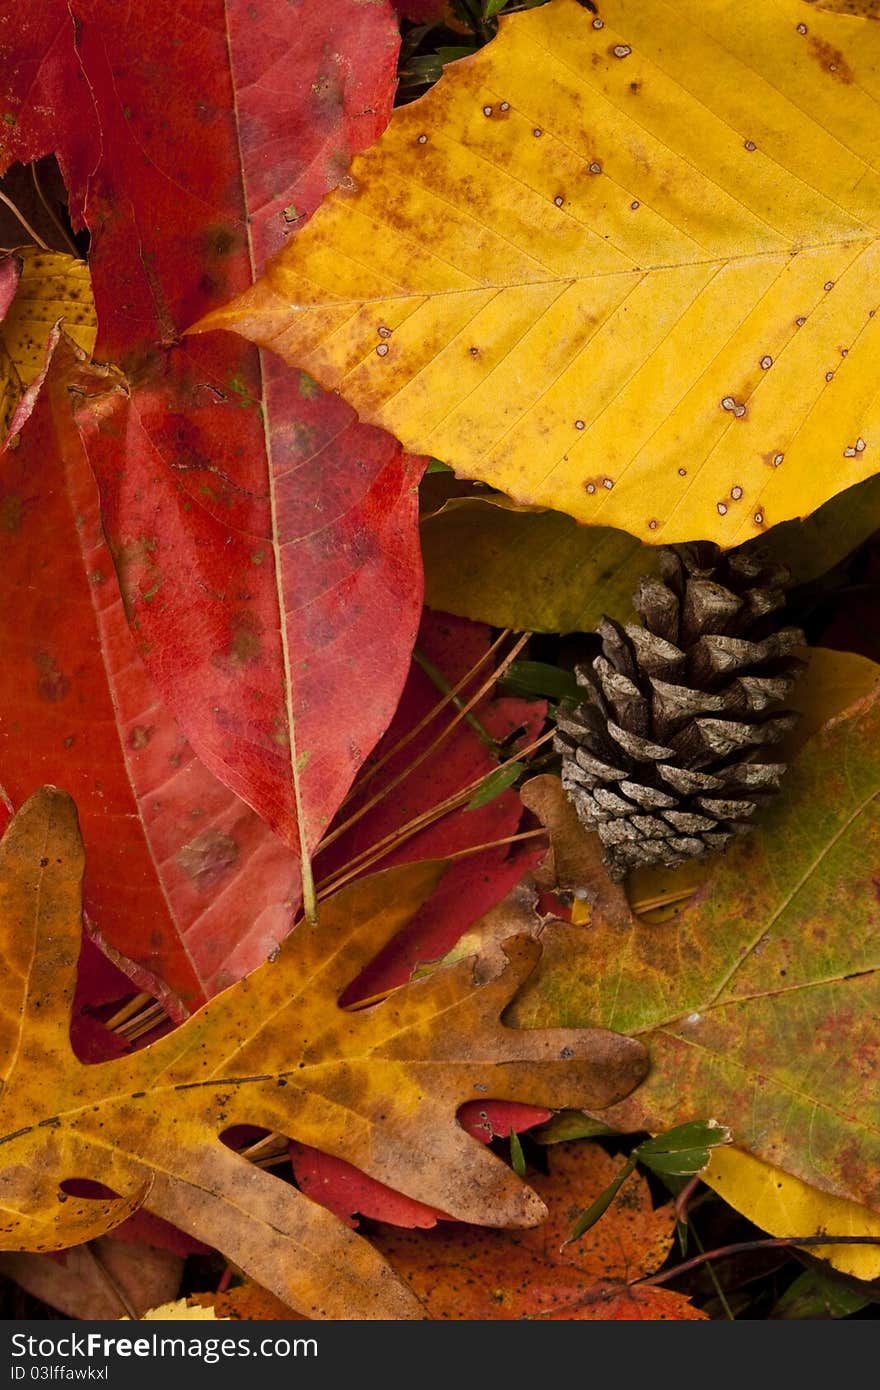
(538, 679)
(493, 7)
(571, 1124)
(592, 1213)
(814, 1295)
(494, 784)
(684, 1150)
(517, 1158)
(738, 992)
(532, 570)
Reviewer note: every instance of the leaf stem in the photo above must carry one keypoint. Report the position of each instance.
(719, 1292)
(426, 753)
(496, 844)
(124, 1013)
(390, 842)
(442, 684)
(744, 1246)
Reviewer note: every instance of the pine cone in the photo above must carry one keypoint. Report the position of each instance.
(665, 756)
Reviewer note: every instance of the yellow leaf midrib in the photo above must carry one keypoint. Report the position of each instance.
(499, 286)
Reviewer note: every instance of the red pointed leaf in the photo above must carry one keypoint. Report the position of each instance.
(349, 1192)
(184, 134)
(472, 886)
(209, 541)
(197, 144)
(10, 270)
(176, 862)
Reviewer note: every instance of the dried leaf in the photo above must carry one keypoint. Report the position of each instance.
(83, 1282)
(379, 1085)
(246, 1301)
(487, 559)
(468, 1274)
(181, 1310)
(53, 288)
(645, 285)
(758, 1002)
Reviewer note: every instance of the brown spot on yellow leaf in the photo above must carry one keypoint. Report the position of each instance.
(830, 59)
(649, 297)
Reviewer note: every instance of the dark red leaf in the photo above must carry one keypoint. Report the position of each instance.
(476, 883)
(283, 712)
(176, 862)
(192, 140)
(349, 1192)
(192, 146)
(10, 270)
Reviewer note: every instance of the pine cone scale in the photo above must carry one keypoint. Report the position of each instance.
(663, 758)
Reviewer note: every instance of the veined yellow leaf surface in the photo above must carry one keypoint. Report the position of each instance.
(622, 264)
(53, 286)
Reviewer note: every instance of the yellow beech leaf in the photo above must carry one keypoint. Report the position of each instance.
(379, 1086)
(623, 264)
(785, 1206)
(870, 9)
(40, 290)
(52, 287)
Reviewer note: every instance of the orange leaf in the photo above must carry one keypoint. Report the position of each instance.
(463, 1272)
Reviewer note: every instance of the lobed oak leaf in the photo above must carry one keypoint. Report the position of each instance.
(380, 1086)
(645, 287)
